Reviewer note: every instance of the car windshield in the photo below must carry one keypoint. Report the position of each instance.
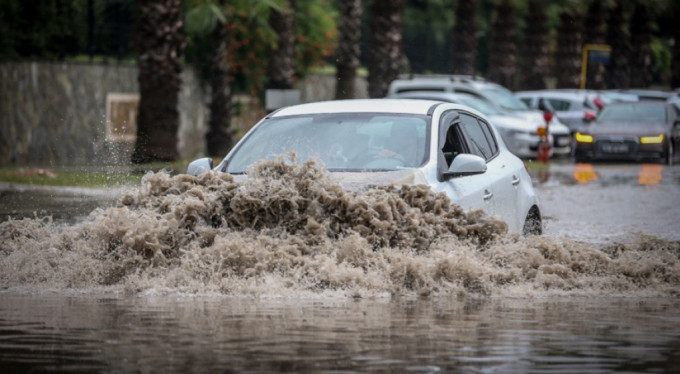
(504, 98)
(343, 142)
(480, 105)
(633, 113)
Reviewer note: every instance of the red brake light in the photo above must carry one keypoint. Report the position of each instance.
(588, 115)
(598, 103)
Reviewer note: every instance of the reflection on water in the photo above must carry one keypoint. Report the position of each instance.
(584, 173)
(233, 335)
(650, 174)
(604, 174)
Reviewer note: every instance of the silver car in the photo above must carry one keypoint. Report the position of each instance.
(497, 95)
(572, 107)
(450, 148)
(519, 134)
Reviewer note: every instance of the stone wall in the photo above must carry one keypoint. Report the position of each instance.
(55, 113)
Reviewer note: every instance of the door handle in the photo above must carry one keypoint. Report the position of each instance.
(515, 180)
(487, 195)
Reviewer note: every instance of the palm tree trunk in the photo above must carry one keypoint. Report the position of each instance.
(503, 52)
(535, 56)
(385, 55)
(568, 55)
(618, 70)
(281, 61)
(219, 138)
(348, 48)
(675, 59)
(641, 38)
(464, 50)
(161, 45)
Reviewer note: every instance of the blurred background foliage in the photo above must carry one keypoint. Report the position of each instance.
(103, 30)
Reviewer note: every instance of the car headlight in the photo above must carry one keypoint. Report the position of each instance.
(583, 138)
(651, 139)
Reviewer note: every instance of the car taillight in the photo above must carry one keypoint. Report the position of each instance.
(589, 116)
(598, 103)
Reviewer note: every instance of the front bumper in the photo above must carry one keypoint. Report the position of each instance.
(619, 149)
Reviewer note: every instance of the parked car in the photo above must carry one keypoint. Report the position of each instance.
(631, 130)
(451, 148)
(519, 135)
(572, 107)
(465, 84)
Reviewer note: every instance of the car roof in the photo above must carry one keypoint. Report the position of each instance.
(566, 94)
(431, 95)
(646, 93)
(399, 106)
(640, 103)
(438, 82)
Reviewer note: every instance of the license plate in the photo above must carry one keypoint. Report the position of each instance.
(614, 148)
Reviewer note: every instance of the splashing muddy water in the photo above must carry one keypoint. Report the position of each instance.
(289, 229)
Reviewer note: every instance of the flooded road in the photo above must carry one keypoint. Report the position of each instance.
(185, 335)
(167, 282)
(609, 202)
(64, 204)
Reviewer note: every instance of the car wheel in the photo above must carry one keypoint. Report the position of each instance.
(533, 224)
(669, 154)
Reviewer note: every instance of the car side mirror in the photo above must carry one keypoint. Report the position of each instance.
(464, 165)
(200, 166)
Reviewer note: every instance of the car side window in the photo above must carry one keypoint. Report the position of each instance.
(489, 136)
(527, 101)
(453, 144)
(477, 140)
(559, 105)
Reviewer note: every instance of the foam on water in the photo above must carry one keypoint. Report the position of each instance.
(289, 230)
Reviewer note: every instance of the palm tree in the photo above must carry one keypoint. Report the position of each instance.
(568, 54)
(535, 51)
(502, 53)
(348, 51)
(209, 19)
(641, 38)
(385, 58)
(465, 38)
(281, 71)
(617, 74)
(219, 138)
(594, 33)
(160, 48)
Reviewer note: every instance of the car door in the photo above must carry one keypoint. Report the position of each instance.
(500, 192)
(491, 191)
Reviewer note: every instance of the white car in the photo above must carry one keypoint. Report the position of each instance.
(519, 132)
(449, 147)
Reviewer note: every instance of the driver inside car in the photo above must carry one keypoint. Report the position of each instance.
(403, 144)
